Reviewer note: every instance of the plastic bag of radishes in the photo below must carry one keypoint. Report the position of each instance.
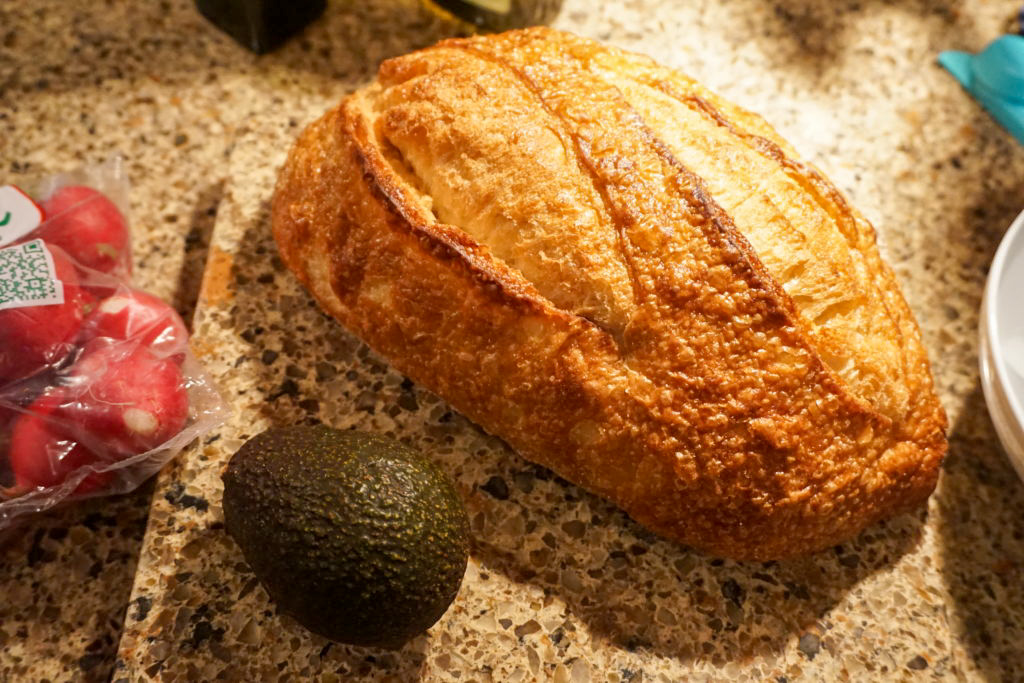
(98, 388)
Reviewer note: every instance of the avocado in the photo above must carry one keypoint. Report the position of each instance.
(360, 538)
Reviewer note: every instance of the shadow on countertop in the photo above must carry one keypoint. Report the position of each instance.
(188, 620)
(640, 592)
(974, 189)
(980, 500)
(170, 41)
(85, 550)
(810, 35)
(981, 528)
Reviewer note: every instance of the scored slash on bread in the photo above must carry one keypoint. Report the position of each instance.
(631, 281)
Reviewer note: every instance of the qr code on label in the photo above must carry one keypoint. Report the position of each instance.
(28, 277)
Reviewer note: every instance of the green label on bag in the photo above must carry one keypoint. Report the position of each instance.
(28, 277)
(19, 215)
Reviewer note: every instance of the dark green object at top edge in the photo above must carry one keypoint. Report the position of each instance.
(357, 536)
(261, 25)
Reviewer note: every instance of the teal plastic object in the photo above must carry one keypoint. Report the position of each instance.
(995, 77)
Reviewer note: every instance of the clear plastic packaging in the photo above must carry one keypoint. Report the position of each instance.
(98, 388)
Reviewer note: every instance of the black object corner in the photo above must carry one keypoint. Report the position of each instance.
(261, 25)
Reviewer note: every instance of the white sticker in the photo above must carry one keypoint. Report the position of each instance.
(19, 215)
(28, 277)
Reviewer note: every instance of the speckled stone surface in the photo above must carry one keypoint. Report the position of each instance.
(561, 586)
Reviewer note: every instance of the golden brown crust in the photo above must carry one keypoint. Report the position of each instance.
(597, 308)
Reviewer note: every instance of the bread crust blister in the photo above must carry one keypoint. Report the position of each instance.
(631, 281)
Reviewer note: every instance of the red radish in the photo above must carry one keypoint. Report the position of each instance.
(99, 285)
(18, 396)
(141, 318)
(88, 301)
(42, 454)
(124, 400)
(7, 417)
(87, 225)
(33, 338)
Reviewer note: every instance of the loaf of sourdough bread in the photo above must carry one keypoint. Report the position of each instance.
(629, 280)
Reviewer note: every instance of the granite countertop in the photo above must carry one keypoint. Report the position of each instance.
(561, 586)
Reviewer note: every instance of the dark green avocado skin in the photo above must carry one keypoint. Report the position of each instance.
(357, 536)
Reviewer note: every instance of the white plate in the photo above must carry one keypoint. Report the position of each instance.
(1001, 343)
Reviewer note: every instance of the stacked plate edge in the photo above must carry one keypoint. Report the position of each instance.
(1001, 343)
